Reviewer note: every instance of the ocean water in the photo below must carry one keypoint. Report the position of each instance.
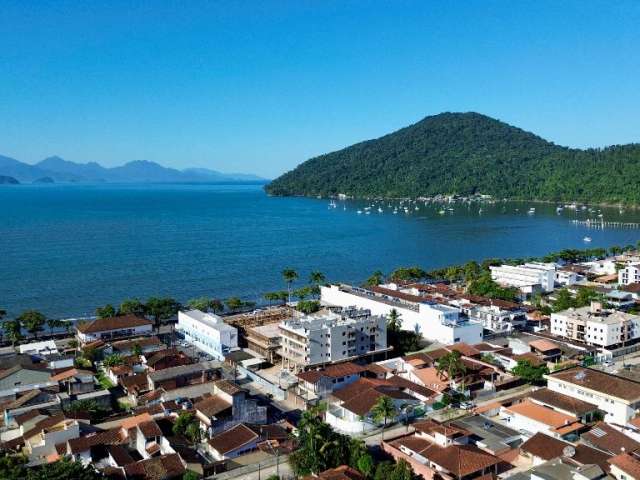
(67, 249)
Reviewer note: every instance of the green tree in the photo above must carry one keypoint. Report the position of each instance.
(393, 320)
(193, 432)
(191, 475)
(271, 297)
(234, 304)
(33, 321)
(107, 311)
(485, 286)
(161, 308)
(302, 292)
(451, 364)
(182, 423)
(383, 410)
(137, 349)
(64, 469)
(375, 279)
(563, 300)
(530, 373)
(113, 360)
(13, 330)
(316, 277)
(53, 323)
(366, 466)
(308, 306)
(289, 276)
(408, 274)
(132, 306)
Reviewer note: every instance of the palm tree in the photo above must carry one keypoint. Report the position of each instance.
(289, 275)
(393, 320)
(113, 360)
(54, 323)
(452, 364)
(384, 409)
(33, 321)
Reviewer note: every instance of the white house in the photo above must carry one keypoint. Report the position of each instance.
(629, 274)
(444, 325)
(618, 397)
(528, 278)
(208, 332)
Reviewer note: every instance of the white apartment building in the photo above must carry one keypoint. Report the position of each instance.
(617, 396)
(208, 332)
(328, 338)
(444, 325)
(494, 318)
(629, 274)
(594, 325)
(528, 278)
(567, 278)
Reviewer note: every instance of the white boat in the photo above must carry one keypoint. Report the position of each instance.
(442, 212)
(379, 210)
(359, 212)
(587, 239)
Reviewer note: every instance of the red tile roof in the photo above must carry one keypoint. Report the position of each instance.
(113, 323)
(600, 382)
(233, 439)
(158, 468)
(342, 472)
(544, 446)
(332, 371)
(628, 463)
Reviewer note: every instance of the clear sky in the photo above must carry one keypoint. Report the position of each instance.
(261, 86)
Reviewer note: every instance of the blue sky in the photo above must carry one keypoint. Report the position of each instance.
(261, 86)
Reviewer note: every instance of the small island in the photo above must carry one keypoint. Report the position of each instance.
(44, 180)
(6, 180)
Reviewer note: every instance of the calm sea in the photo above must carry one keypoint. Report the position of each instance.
(67, 249)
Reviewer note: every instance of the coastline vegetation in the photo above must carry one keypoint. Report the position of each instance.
(468, 154)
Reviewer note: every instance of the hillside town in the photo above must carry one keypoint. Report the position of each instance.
(505, 369)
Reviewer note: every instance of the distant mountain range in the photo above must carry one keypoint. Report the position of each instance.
(464, 154)
(59, 170)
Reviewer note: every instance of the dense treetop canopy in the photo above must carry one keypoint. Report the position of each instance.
(464, 154)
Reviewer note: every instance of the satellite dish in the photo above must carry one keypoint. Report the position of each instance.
(568, 451)
(580, 375)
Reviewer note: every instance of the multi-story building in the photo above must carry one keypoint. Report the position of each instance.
(494, 318)
(327, 338)
(265, 340)
(618, 397)
(528, 278)
(433, 321)
(594, 325)
(208, 332)
(629, 274)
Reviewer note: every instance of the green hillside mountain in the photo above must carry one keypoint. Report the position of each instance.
(468, 153)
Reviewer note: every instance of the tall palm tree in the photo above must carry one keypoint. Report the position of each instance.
(384, 409)
(289, 275)
(452, 364)
(393, 320)
(316, 278)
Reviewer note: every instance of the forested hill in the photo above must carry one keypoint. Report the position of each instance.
(467, 153)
